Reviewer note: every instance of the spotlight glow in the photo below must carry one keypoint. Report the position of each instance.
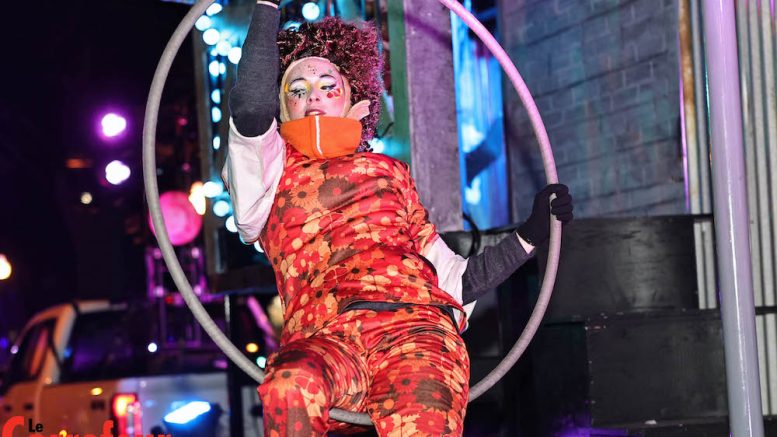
(378, 146)
(216, 142)
(213, 68)
(214, 9)
(216, 96)
(230, 224)
(211, 36)
(113, 124)
(181, 219)
(152, 347)
(215, 114)
(311, 11)
(86, 198)
(221, 208)
(197, 198)
(116, 172)
(252, 348)
(203, 23)
(261, 361)
(212, 189)
(5, 269)
(223, 48)
(188, 412)
(234, 54)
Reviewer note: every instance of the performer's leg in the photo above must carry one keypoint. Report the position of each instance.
(422, 385)
(304, 380)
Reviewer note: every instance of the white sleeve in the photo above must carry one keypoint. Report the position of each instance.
(450, 269)
(251, 174)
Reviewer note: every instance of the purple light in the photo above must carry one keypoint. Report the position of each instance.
(113, 124)
(117, 172)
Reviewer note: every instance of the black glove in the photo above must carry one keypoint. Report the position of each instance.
(536, 229)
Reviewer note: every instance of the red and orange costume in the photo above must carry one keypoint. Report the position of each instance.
(366, 325)
(371, 295)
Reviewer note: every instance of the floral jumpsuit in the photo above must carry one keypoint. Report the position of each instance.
(344, 233)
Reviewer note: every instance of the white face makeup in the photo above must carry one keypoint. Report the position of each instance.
(314, 87)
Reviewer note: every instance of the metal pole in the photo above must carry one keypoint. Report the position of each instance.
(234, 386)
(731, 220)
(705, 227)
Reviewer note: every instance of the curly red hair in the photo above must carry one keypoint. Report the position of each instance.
(353, 48)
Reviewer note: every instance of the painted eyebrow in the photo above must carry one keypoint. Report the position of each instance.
(320, 77)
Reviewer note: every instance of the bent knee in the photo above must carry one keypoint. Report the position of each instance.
(289, 380)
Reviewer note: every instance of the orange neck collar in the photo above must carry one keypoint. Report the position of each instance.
(322, 137)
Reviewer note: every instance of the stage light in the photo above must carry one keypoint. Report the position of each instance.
(230, 224)
(211, 36)
(252, 348)
(86, 198)
(261, 361)
(234, 54)
(216, 142)
(182, 222)
(223, 48)
(152, 347)
(5, 268)
(311, 11)
(213, 68)
(213, 9)
(187, 413)
(117, 172)
(203, 23)
(215, 114)
(221, 208)
(197, 198)
(378, 146)
(216, 96)
(222, 68)
(113, 124)
(212, 189)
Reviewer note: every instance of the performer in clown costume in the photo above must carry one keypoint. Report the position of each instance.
(373, 299)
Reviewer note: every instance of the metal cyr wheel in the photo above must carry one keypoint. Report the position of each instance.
(234, 354)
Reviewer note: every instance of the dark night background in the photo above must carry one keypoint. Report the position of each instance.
(65, 64)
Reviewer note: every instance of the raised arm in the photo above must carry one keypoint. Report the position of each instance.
(255, 156)
(253, 100)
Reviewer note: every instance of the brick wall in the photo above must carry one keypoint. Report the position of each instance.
(604, 74)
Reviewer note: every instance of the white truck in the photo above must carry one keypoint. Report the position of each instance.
(75, 367)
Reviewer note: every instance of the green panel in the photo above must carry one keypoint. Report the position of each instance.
(400, 133)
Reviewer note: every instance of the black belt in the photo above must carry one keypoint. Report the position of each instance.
(393, 306)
